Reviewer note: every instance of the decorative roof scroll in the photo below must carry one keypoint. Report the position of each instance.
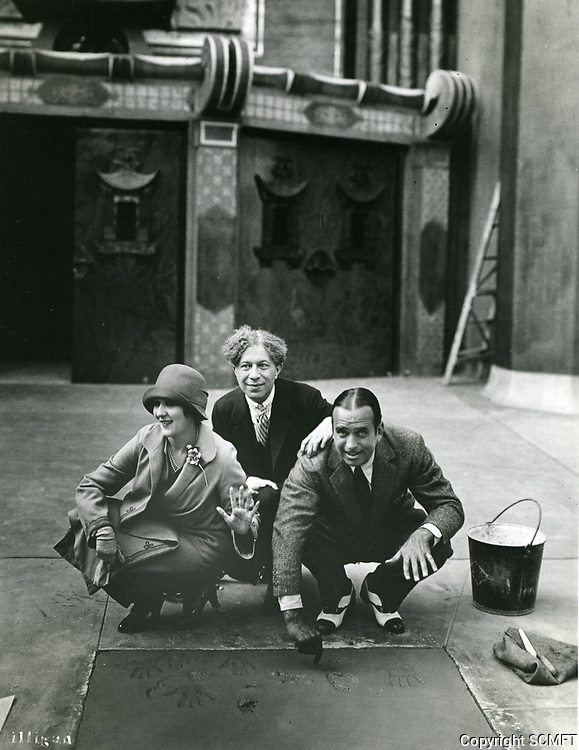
(228, 73)
(446, 105)
(218, 83)
(450, 101)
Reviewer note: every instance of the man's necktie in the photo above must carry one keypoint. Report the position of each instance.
(362, 490)
(262, 424)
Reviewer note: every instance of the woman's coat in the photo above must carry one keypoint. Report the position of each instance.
(200, 488)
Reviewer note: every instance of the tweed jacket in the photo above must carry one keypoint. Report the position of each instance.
(138, 534)
(319, 490)
(296, 409)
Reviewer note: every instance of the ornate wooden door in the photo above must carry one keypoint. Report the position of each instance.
(319, 250)
(126, 261)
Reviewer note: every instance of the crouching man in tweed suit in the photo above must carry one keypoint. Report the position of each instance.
(355, 502)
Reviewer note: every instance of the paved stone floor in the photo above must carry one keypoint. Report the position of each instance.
(52, 632)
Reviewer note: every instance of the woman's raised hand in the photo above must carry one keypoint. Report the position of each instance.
(243, 510)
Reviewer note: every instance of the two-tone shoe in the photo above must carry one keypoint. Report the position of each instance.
(330, 619)
(389, 621)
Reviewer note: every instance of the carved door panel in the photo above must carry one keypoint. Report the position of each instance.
(318, 252)
(126, 261)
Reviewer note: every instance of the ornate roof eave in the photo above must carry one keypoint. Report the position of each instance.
(223, 80)
(443, 108)
(355, 90)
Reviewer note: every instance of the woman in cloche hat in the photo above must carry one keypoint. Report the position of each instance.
(188, 510)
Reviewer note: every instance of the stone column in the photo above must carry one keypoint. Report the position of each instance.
(212, 194)
(211, 266)
(423, 266)
(376, 43)
(436, 34)
(537, 324)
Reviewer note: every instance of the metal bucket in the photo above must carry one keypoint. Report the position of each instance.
(505, 562)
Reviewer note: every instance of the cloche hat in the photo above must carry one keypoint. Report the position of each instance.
(181, 384)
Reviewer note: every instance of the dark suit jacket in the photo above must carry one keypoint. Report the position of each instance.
(297, 408)
(319, 490)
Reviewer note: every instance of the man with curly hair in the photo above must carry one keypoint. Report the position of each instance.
(270, 421)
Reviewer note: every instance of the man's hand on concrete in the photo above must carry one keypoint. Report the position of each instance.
(305, 636)
(317, 439)
(416, 555)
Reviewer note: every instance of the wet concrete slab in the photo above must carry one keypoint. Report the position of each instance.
(263, 700)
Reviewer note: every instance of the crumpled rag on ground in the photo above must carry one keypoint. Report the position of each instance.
(562, 656)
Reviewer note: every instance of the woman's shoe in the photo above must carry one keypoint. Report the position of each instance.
(193, 609)
(210, 593)
(137, 620)
(270, 603)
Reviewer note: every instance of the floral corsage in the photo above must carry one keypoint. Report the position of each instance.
(194, 458)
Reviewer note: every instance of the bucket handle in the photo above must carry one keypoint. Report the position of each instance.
(524, 500)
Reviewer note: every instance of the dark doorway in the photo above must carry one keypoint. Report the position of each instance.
(36, 238)
(128, 261)
(111, 308)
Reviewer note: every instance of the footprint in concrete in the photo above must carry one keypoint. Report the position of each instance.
(342, 680)
(247, 705)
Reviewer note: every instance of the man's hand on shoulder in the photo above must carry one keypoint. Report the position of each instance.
(318, 438)
(257, 483)
(306, 638)
(416, 555)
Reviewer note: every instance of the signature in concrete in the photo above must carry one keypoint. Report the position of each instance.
(291, 678)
